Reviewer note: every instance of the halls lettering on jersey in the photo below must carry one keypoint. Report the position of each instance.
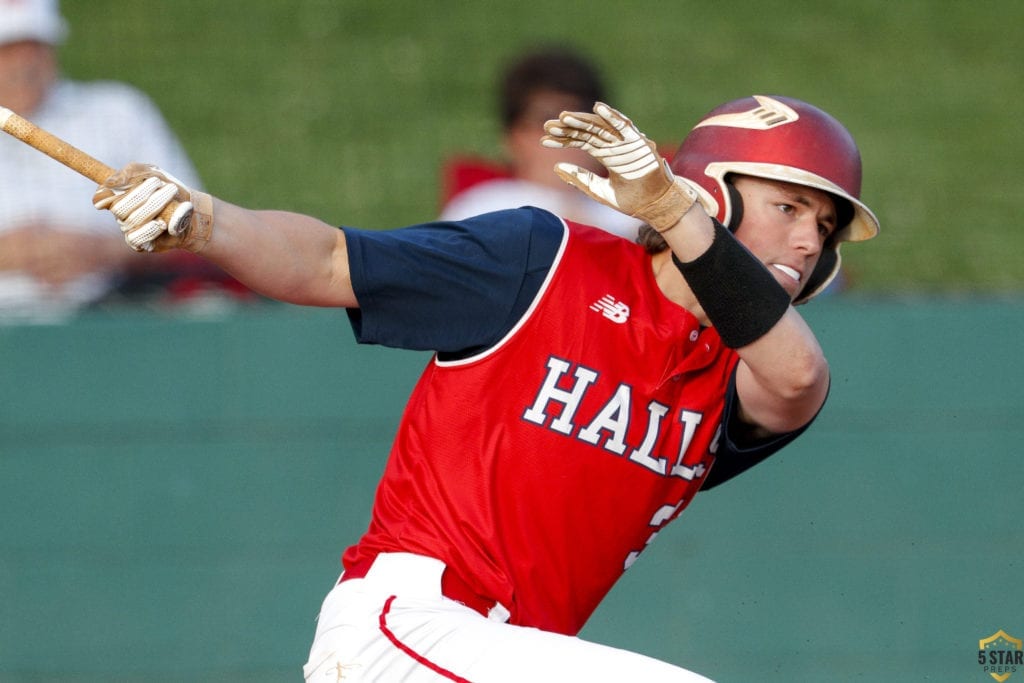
(609, 427)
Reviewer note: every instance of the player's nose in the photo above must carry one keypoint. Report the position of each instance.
(806, 234)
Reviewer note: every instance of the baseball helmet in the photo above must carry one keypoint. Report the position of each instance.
(778, 138)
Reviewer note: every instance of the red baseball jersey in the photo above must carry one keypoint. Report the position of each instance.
(540, 469)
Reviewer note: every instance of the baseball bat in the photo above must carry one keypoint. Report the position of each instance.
(55, 148)
(69, 155)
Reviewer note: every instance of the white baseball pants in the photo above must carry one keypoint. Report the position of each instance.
(394, 625)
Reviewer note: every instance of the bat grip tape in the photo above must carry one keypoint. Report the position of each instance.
(739, 295)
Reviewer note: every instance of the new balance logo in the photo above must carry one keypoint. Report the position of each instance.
(616, 311)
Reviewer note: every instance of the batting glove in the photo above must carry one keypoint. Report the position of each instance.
(639, 181)
(155, 210)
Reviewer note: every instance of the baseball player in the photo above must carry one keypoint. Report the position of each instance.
(584, 387)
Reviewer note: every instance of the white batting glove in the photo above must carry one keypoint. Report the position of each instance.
(639, 181)
(155, 210)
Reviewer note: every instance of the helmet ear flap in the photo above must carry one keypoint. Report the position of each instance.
(735, 205)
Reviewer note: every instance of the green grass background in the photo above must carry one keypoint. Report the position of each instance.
(346, 109)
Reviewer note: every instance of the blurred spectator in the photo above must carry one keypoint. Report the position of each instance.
(57, 254)
(537, 87)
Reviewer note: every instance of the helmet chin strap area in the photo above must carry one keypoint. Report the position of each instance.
(824, 271)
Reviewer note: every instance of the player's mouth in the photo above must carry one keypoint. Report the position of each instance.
(787, 271)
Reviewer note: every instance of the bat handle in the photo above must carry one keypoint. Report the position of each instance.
(72, 157)
(52, 146)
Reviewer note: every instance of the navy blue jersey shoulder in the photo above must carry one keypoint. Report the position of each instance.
(455, 287)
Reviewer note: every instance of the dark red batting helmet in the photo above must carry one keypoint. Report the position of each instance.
(778, 138)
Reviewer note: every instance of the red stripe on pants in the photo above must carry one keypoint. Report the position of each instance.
(389, 634)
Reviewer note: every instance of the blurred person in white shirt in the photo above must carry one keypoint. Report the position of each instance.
(57, 255)
(538, 86)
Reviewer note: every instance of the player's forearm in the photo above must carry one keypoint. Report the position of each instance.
(285, 256)
(692, 235)
(783, 377)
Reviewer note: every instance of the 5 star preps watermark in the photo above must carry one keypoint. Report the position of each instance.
(1000, 655)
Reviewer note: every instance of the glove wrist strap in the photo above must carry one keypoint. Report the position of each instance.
(667, 210)
(201, 228)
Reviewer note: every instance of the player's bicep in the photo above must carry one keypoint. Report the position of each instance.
(341, 273)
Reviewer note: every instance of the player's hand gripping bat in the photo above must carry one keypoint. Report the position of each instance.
(156, 212)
